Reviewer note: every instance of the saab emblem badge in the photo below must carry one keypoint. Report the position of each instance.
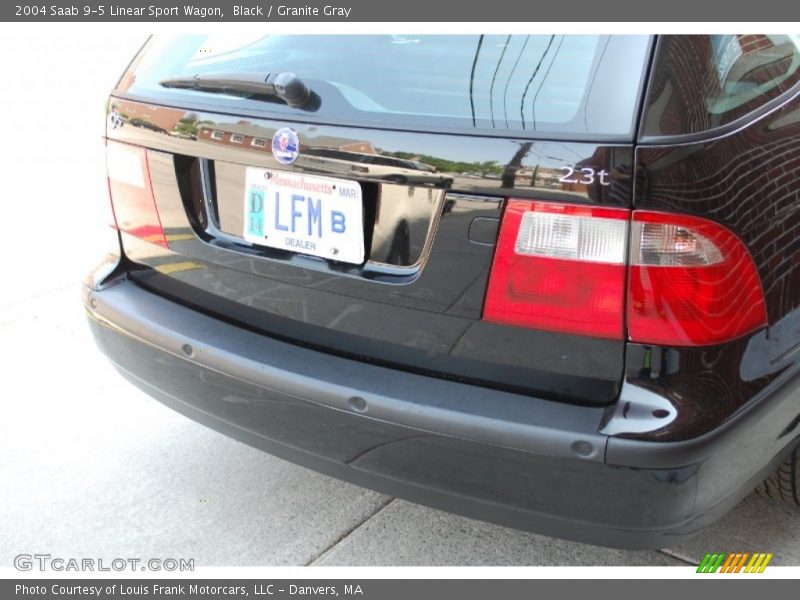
(285, 145)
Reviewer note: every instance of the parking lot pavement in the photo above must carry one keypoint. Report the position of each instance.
(94, 467)
(408, 534)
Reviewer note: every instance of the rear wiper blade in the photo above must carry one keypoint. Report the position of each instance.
(284, 86)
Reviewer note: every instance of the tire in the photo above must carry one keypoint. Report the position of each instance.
(784, 484)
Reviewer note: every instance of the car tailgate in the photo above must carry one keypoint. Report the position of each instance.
(430, 204)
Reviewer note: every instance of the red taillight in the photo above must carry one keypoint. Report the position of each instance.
(131, 192)
(560, 267)
(692, 282)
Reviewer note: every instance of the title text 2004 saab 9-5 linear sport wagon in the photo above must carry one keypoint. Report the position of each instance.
(548, 281)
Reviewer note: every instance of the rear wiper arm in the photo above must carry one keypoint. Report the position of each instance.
(285, 86)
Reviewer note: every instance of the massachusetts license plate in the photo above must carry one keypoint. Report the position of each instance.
(313, 215)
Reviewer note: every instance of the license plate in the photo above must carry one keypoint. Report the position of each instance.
(320, 216)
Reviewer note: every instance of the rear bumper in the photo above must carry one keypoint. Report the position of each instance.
(519, 461)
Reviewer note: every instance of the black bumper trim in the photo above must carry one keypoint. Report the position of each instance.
(443, 407)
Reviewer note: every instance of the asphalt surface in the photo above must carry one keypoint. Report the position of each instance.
(92, 467)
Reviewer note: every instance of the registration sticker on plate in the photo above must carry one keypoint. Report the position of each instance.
(321, 216)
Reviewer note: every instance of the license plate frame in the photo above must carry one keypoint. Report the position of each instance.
(305, 214)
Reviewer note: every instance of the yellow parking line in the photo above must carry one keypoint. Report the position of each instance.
(169, 268)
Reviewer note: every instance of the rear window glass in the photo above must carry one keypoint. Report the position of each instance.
(563, 84)
(701, 82)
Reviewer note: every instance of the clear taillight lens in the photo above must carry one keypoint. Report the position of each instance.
(572, 236)
(672, 246)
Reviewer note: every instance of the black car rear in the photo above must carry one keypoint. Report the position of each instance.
(587, 240)
(416, 299)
